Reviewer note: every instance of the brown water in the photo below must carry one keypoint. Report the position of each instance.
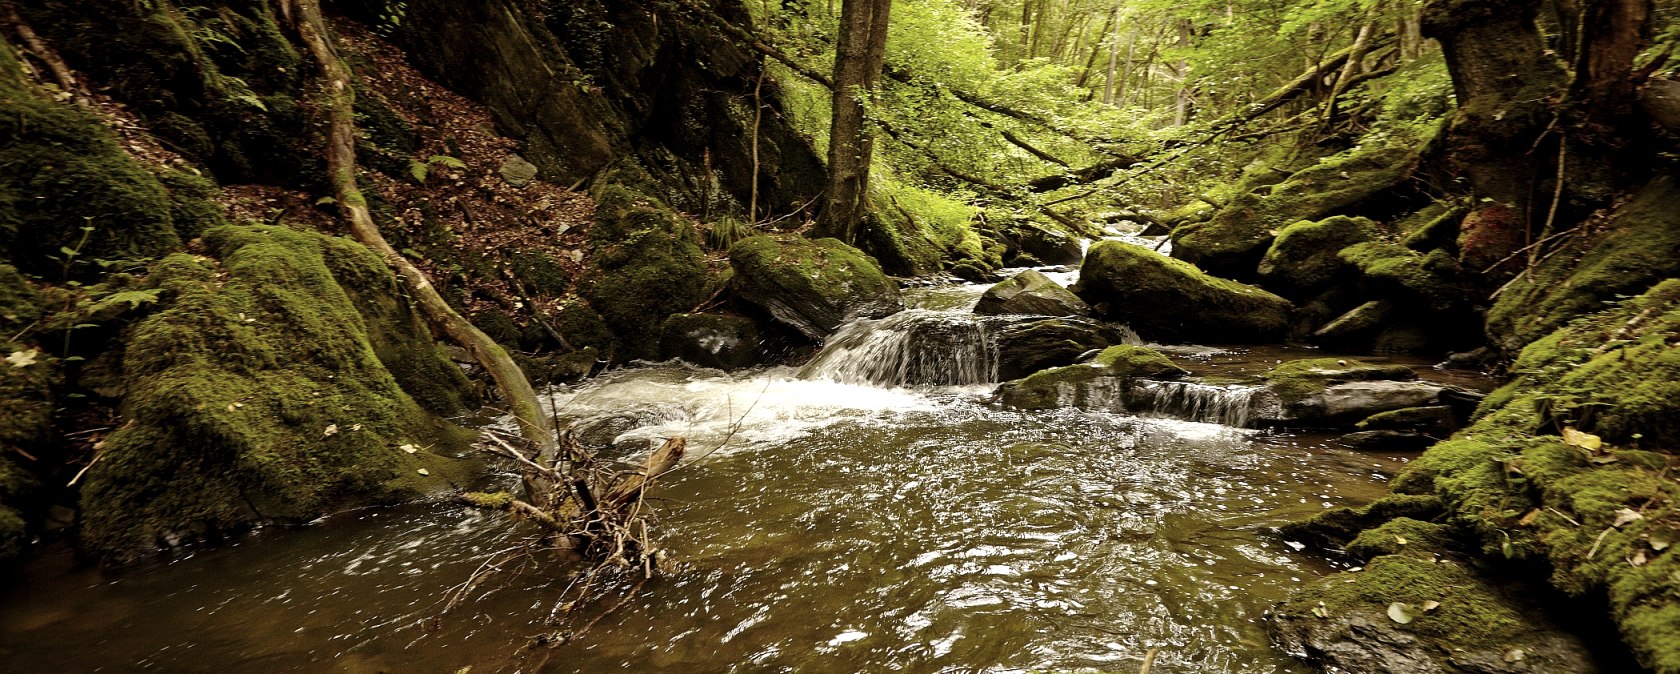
(843, 528)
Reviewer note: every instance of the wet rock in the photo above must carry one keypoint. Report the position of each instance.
(1438, 421)
(1387, 441)
(1031, 293)
(1171, 300)
(1029, 346)
(974, 272)
(814, 286)
(1103, 383)
(1475, 625)
(1354, 399)
(1399, 535)
(517, 172)
(1050, 247)
(1337, 527)
(1326, 391)
(711, 340)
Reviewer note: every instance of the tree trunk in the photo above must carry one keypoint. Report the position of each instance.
(1113, 57)
(860, 50)
(341, 171)
(1181, 107)
(1504, 77)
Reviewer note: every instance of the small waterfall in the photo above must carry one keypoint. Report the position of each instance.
(915, 347)
(1229, 405)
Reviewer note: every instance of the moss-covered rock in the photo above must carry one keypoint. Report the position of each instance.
(1167, 299)
(1300, 379)
(645, 264)
(711, 340)
(1101, 383)
(1454, 620)
(1336, 527)
(1030, 293)
(1303, 259)
(1436, 420)
(1598, 509)
(1400, 535)
(1395, 271)
(1359, 325)
(1232, 242)
(1635, 248)
(257, 394)
(70, 185)
(813, 286)
(27, 380)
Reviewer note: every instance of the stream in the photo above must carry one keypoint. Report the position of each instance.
(842, 517)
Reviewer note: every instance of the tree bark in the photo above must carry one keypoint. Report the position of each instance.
(860, 50)
(339, 99)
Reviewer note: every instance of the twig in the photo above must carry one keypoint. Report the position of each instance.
(1149, 660)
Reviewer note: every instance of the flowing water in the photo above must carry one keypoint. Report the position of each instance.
(826, 523)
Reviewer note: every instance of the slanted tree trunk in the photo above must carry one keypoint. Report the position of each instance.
(339, 99)
(860, 52)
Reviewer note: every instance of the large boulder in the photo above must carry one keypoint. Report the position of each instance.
(1031, 293)
(1105, 382)
(814, 286)
(1171, 300)
(1048, 247)
(268, 388)
(1024, 347)
(1394, 271)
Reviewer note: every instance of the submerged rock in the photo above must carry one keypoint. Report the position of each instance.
(711, 340)
(814, 286)
(1032, 293)
(1171, 300)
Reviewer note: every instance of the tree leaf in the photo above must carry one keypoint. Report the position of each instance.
(1586, 441)
(1626, 516)
(332, 429)
(1401, 613)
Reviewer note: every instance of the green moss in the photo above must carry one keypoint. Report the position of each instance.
(1303, 257)
(1337, 527)
(257, 393)
(1638, 246)
(812, 285)
(1401, 534)
(1472, 615)
(1298, 380)
(914, 231)
(1135, 285)
(1435, 226)
(1106, 378)
(1399, 272)
(1234, 240)
(194, 201)
(646, 264)
(62, 169)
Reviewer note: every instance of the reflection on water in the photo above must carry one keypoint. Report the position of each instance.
(842, 529)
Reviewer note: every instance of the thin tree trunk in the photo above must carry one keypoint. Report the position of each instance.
(1126, 77)
(341, 171)
(1181, 108)
(1096, 49)
(860, 51)
(1356, 57)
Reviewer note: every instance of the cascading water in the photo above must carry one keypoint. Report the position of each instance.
(915, 347)
(1228, 405)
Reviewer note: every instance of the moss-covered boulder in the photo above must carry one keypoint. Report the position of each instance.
(1330, 391)
(1303, 259)
(645, 263)
(1102, 383)
(1171, 300)
(1358, 326)
(1232, 243)
(1637, 246)
(27, 379)
(814, 286)
(1413, 613)
(1336, 527)
(1399, 535)
(1031, 293)
(711, 340)
(259, 393)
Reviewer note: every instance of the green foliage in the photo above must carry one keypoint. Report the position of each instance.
(420, 170)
